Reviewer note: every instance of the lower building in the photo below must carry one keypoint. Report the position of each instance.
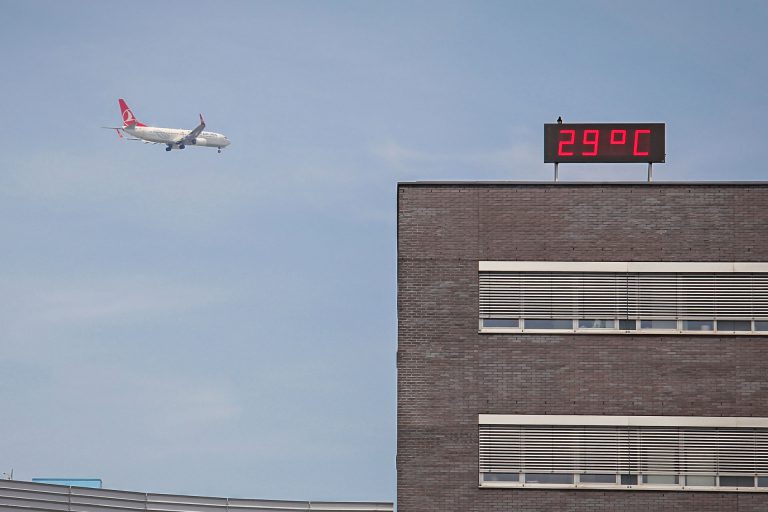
(582, 346)
(43, 497)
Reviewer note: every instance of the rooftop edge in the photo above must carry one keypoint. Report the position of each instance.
(585, 183)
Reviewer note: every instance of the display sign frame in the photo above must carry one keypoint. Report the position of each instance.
(604, 143)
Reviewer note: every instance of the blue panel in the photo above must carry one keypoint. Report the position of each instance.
(93, 483)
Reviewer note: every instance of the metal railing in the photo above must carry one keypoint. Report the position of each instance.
(16, 495)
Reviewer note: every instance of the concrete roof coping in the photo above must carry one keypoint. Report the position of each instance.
(586, 183)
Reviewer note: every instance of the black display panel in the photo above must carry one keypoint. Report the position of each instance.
(604, 142)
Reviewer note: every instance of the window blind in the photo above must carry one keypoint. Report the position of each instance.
(623, 295)
(620, 450)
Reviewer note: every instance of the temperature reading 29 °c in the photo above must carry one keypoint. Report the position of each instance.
(604, 142)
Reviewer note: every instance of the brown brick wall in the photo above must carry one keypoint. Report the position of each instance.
(448, 373)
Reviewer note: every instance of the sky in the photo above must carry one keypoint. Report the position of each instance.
(225, 324)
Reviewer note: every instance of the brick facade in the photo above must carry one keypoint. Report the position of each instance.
(448, 373)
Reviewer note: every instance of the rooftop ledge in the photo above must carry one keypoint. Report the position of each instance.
(588, 183)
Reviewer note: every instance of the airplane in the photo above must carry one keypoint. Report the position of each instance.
(171, 137)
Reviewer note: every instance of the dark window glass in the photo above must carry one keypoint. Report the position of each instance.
(660, 479)
(698, 325)
(548, 478)
(762, 481)
(501, 322)
(761, 325)
(737, 481)
(734, 325)
(501, 477)
(597, 324)
(628, 479)
(658, 324)
(597, 479)
(539, 323)
(627, 325)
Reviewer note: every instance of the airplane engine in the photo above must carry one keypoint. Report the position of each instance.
(200, 141)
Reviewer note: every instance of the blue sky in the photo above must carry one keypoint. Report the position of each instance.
(190, 322)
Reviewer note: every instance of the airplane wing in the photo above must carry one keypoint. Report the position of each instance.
(191, 136)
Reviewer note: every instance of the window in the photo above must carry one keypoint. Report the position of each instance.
(734, 325)
(628, 479)
(619, 297)
(501, 477)
(597, 324)
(548, 478)
(547, 324)
(658, 324)
(698, 325)
(644, 452)
(737, 481)
(588, 478)
(501, 322)
(627, 325)
(660, 479)
(699, 480)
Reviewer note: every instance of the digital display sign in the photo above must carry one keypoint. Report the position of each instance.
(604, 143)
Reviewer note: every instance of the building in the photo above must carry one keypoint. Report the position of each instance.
(46, 497)
(582, 346)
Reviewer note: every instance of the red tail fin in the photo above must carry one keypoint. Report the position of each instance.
(128, 118)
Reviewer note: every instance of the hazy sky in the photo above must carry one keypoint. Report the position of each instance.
(190, 322)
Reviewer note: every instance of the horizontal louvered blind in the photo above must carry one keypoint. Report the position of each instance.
(593, 449)
(644, 295)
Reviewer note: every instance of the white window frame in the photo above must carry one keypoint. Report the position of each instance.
(624, 421)
(625, 267)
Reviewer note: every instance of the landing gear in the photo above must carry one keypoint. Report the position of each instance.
(219, 150)
(182, 146)
(168, 148)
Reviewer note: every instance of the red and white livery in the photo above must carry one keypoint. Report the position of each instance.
(171, 137)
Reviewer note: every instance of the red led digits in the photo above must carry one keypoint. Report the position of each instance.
(589, 142)
(618, 136)
(636, 151)
(591, 137)
(560, 149)
(604, 142)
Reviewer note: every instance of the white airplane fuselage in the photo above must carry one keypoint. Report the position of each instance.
(172, 135)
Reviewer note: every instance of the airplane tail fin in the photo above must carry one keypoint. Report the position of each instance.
(128, 118)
